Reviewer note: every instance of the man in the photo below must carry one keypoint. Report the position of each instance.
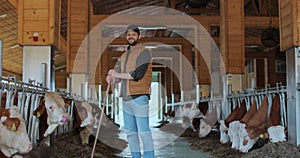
(135, 74)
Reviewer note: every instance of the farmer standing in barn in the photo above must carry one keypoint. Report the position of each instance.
(135, 73)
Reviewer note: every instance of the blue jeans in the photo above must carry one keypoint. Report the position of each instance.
(136, 123)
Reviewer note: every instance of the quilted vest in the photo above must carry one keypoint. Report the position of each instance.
(143, 85)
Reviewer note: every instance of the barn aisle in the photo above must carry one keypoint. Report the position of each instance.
(168, 145)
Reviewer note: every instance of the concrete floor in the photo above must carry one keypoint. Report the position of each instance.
(168, 146)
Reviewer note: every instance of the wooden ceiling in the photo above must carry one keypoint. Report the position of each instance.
(12, 52)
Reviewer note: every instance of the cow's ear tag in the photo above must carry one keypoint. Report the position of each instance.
(38, 114)
(261, 136)
(13, 127)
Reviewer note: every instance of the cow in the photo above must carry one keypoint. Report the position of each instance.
(276, 132)
(208, 121)
(235, 115)
(233, 129)
(186, 114)
(89, 116)
(250, 131)
(14, 137)
(170, 115)
(54, 106)
(256, 127)
(203, 107)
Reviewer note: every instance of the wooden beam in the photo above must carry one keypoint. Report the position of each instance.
(264, 6)
(198, 10)
(124, 20)
(14, 3)
(173, 4)
(176, 40)
(258, 22)
(255, 7)
(232, 35)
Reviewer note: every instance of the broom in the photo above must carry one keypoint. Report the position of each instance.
(102, 113)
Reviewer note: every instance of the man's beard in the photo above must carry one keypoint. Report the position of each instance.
(133, 43)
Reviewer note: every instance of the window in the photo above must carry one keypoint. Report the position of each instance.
(250, 65)
(280, 66)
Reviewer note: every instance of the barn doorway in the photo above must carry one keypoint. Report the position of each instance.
(155, 102)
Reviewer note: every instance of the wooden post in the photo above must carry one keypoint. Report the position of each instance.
(232, 35)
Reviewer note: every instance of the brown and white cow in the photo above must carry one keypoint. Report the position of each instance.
(54, 106)
(186, 114)
(276, 132)
(208, 122)
(170, 115)
(235, 115)
(89, 116)
(14, 137)
(233, 129)
(255, 126)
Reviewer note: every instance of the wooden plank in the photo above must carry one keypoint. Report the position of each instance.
(36, 14)
(296, 18)
(37, 26)
(51, 21)
(36, 4)
(20, 21)
(14, 3)
(43, 38)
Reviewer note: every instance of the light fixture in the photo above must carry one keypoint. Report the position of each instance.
(153, 28)
(251, 46)
(3, 15)
(150, 47)
(14, 46)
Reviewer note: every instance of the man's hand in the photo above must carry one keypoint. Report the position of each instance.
(112, 73)
(109, 79)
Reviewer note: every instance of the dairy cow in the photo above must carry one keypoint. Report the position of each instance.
(208, 122)
(235, 115)
(186, 114)
(276, 132)
(256, 127)
(54, 106)
(14, 137)
(250, 131)
(89, 115)
(233, 129)
(203, 107)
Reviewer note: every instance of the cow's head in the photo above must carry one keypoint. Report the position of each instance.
(276, 133)
(56, 111)
(88, 118)
(204, 128)
(14, 141)
(246, 142)
(233, 134)
(207, 123)
(224, 138)
(188, 110)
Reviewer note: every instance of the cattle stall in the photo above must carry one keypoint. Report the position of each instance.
(27, 97)
(225, 106)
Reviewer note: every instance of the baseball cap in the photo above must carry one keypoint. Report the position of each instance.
(133, 28)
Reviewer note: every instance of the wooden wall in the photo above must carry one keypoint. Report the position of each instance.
(289, 19)
(77, 31)
(38, 16)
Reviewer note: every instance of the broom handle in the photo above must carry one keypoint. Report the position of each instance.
(102, 113)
